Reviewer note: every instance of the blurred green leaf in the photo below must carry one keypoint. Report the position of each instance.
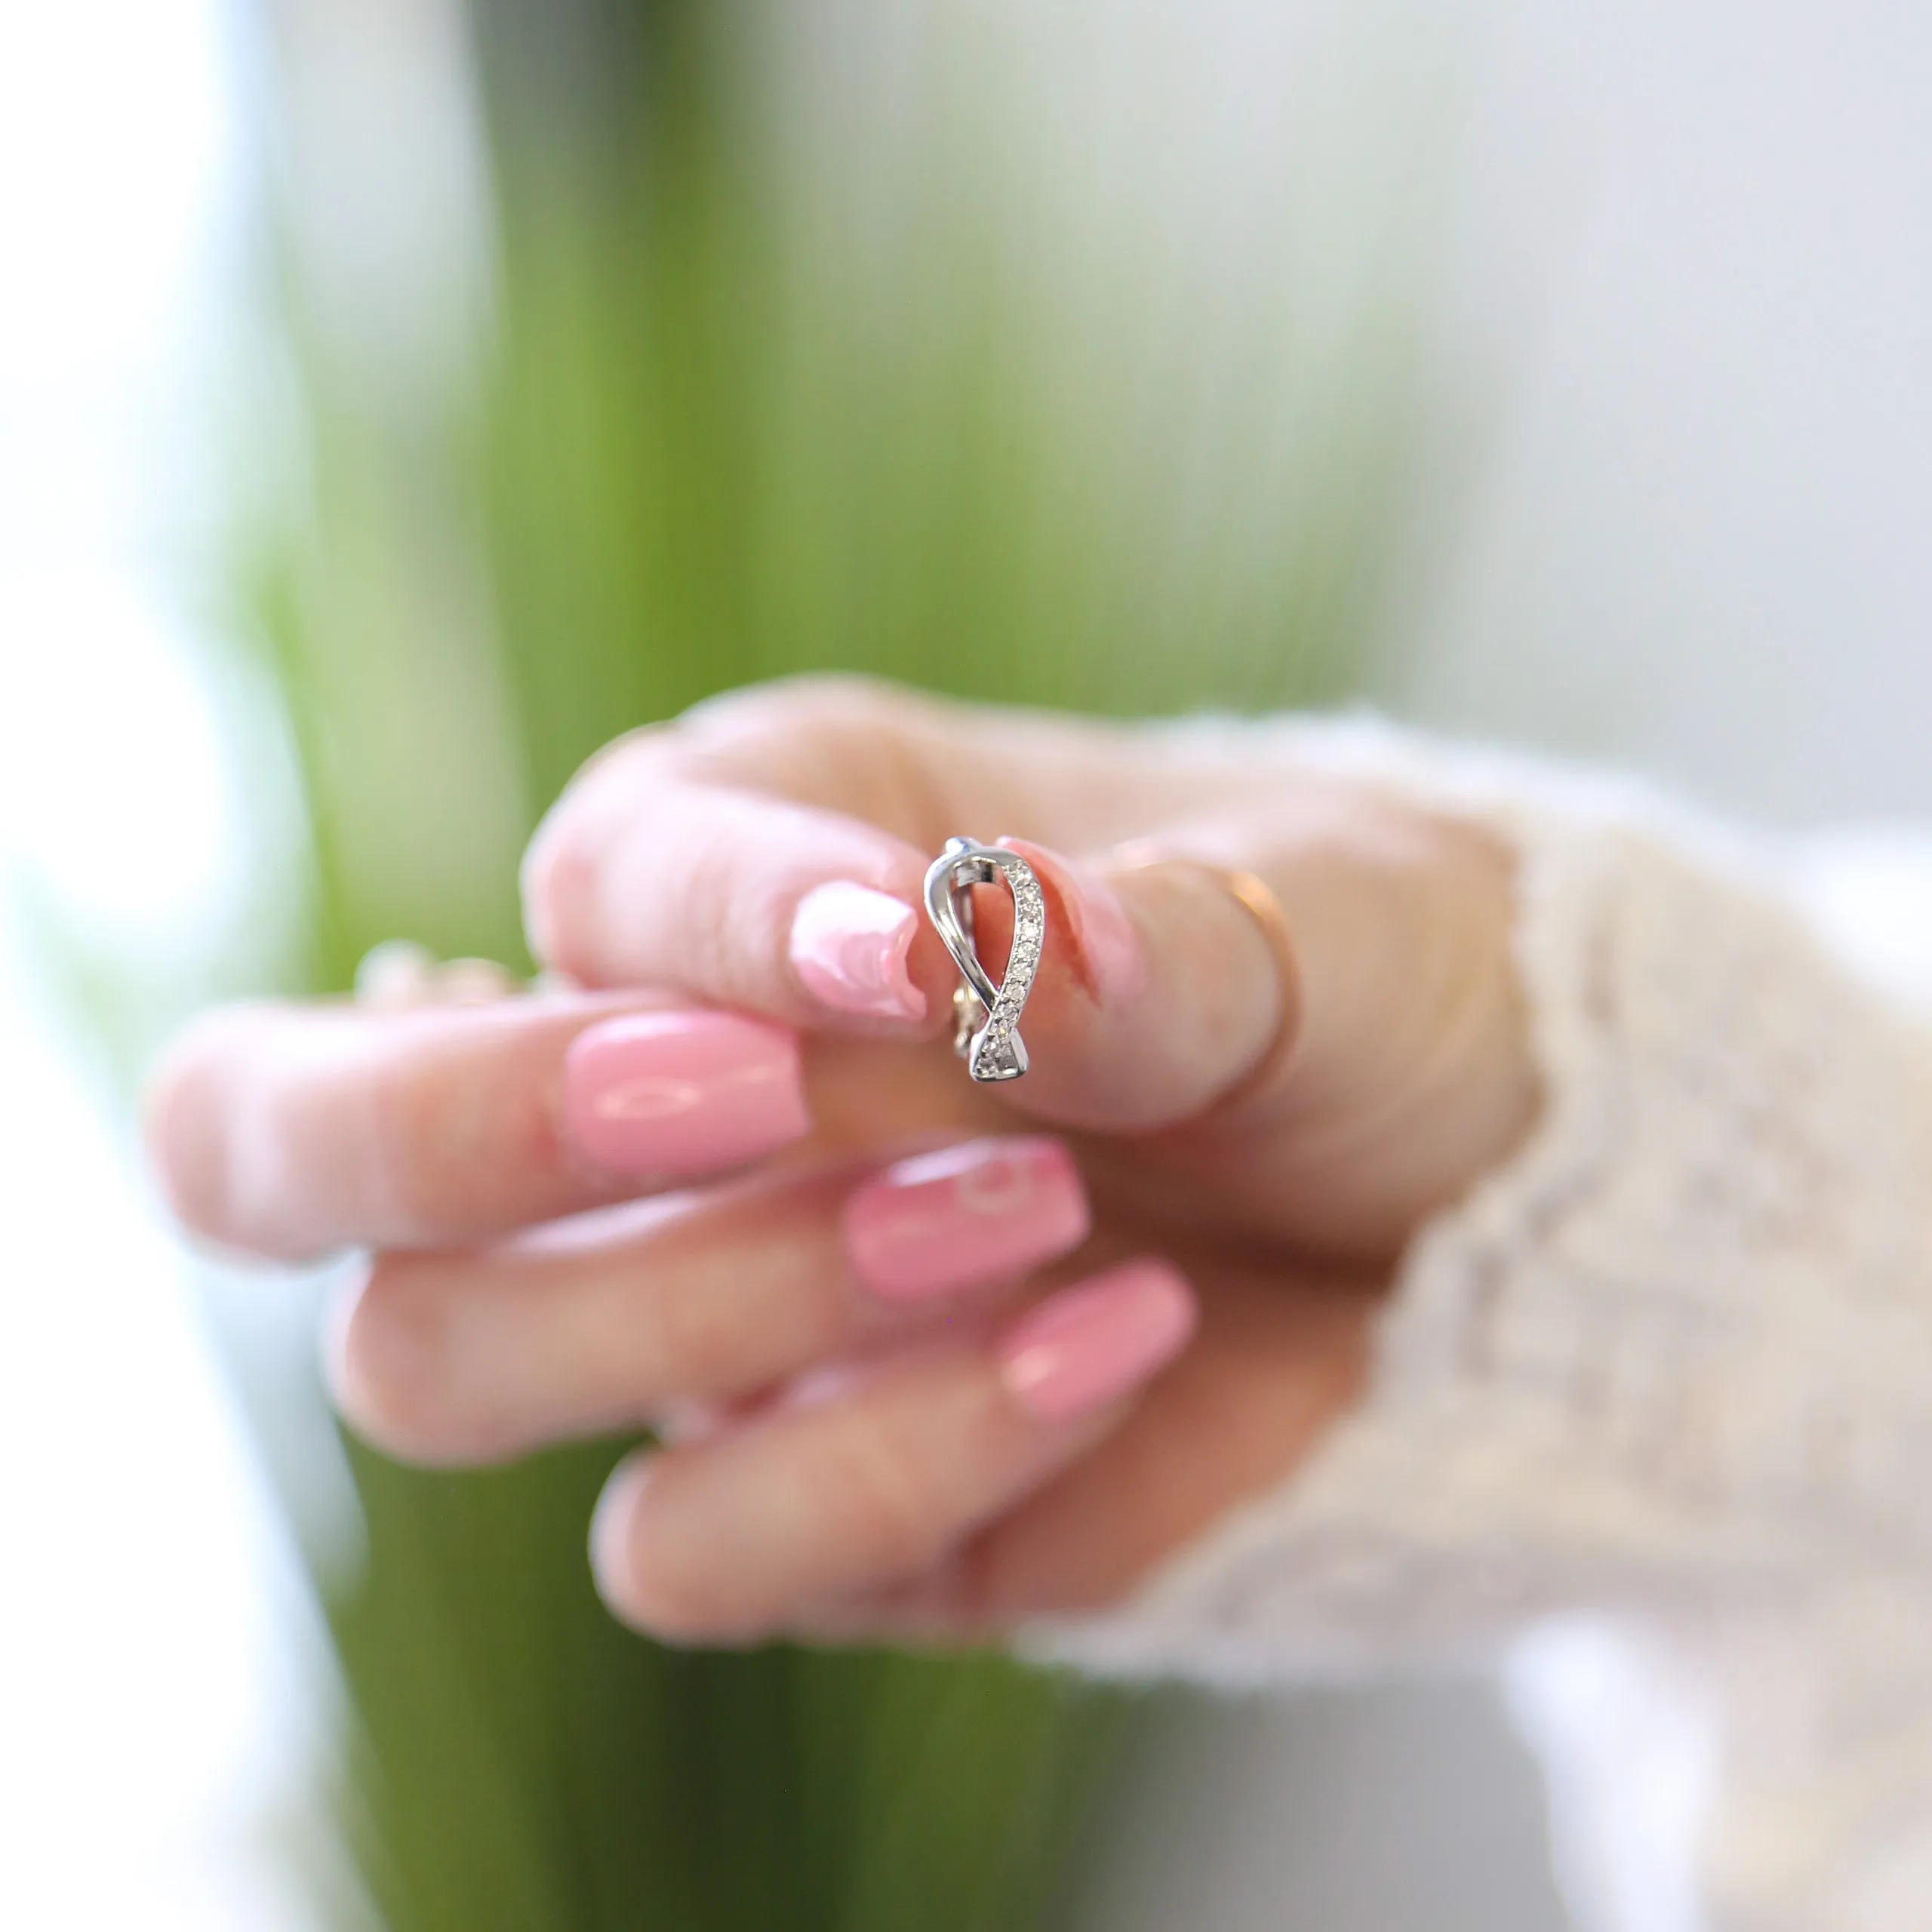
(699, 449)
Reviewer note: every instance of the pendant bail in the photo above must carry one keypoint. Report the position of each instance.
(987, 1016)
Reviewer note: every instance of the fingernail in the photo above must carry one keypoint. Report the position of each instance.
(1090, 1343)
(683, 1092)
(613, 1529)
(849, 945)
(549, 870)
(965, 1214)
(1107, 947)
(395, 975)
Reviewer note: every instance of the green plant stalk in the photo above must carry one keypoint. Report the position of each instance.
(697, 454)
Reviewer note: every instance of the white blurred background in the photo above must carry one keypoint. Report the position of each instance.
(161, 1682)
(1674, 268)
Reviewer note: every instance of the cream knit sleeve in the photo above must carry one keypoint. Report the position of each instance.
(1672, 1367)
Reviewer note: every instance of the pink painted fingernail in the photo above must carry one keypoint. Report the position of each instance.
(850, 945)
(685, 1093)
(965, 1214)
(1106, 945)
(1097, 1340)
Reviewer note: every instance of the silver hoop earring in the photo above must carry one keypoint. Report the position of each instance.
(986, 1017)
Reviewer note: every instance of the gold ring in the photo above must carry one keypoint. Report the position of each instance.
(1257, 898)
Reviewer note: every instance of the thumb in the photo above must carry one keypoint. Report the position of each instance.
(1320, 1016)
(1161, 989)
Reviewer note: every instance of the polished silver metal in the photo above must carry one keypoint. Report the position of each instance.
(986, 1017)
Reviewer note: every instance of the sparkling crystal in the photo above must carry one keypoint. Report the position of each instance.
(993, 1054)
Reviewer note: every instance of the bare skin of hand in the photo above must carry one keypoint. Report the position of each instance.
(925, 1358)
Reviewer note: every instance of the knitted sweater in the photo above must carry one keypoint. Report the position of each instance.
(1651, 1414)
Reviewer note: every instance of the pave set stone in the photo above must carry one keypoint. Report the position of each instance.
(1023, 962)
(1025, 957)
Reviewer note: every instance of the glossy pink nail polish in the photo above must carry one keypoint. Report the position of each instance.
(978, 1212)
(682, 1092)
(1097, 1340)
(849, 946)
(1106, 943)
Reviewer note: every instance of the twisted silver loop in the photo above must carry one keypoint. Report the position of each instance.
(987, 1016)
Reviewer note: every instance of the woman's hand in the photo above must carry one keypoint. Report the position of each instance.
(925, 1358)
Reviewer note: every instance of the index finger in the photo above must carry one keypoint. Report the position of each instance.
(686, 854)
(771, 857)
